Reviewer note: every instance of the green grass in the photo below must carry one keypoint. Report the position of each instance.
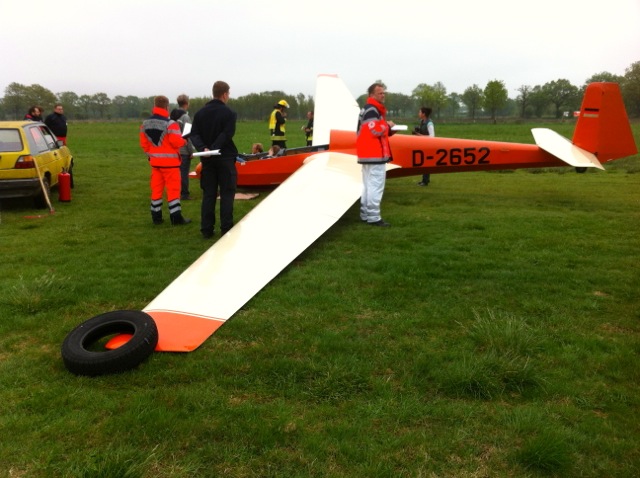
(491, 331)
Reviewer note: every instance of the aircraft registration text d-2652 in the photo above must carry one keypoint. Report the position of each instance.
(452, 156)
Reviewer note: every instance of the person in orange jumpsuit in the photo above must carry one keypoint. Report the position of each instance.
(161, 139)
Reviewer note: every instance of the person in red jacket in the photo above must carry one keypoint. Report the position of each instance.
(372, 147)
(161, 139)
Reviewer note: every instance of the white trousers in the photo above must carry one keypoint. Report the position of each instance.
(373, 179)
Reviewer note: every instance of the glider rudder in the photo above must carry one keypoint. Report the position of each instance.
(603, 126)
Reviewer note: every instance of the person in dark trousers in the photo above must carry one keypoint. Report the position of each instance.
(277, 124)
(373, 150)
(425, 128)
(214, 126)
(57, 123)
(181, 115)
(161, 140)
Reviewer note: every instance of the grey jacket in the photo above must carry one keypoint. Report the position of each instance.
(187, 149)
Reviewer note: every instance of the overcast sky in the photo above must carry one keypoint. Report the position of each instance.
(150, 47)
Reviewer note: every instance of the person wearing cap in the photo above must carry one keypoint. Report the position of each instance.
(277, 122)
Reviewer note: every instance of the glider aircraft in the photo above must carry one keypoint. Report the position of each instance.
(299, 211)
(602, 134)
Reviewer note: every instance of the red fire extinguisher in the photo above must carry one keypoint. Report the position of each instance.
(64, 186)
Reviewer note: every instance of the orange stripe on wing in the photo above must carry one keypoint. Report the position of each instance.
(180, 332)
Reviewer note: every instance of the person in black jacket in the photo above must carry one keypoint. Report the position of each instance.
(57, 123)
(34, 114)
(214, 126)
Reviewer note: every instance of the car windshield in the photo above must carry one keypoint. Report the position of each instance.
(10, 141)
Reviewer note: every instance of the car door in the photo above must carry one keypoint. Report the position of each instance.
(46, 151)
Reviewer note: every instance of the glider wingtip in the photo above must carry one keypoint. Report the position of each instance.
(182, 332)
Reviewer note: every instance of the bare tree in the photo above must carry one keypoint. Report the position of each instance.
(523, 99)
(473, 98)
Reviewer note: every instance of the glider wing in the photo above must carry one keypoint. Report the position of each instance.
(255, 250)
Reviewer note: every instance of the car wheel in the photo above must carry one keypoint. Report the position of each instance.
(40, 201)
(84, 354)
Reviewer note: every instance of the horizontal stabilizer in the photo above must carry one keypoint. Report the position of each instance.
(563, 149)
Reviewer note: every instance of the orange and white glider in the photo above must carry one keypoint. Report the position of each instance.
(326, 184)
(319, 184)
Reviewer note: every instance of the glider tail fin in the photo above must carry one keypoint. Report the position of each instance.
(335, 108)
(603, 126)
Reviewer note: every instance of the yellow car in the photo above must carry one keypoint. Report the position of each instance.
(29, 149)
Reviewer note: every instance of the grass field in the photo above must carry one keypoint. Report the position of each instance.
(492, 331)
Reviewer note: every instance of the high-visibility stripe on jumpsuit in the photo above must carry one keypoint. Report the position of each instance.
(161, 139)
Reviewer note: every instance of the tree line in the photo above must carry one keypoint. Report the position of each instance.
(553, 99)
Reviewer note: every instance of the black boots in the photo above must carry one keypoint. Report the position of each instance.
(156, 217)
(178, 220)
(175, 213)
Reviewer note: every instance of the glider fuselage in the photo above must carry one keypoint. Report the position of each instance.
(414, 154)
(602, 134)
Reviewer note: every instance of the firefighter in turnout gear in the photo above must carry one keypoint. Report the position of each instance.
(277, 122)
(161, 139)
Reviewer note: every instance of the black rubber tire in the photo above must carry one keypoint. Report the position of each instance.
(78, 359)
(39, 200)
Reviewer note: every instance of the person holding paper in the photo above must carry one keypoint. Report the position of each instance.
(214, 126)
(181, 115)
(373, 150)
